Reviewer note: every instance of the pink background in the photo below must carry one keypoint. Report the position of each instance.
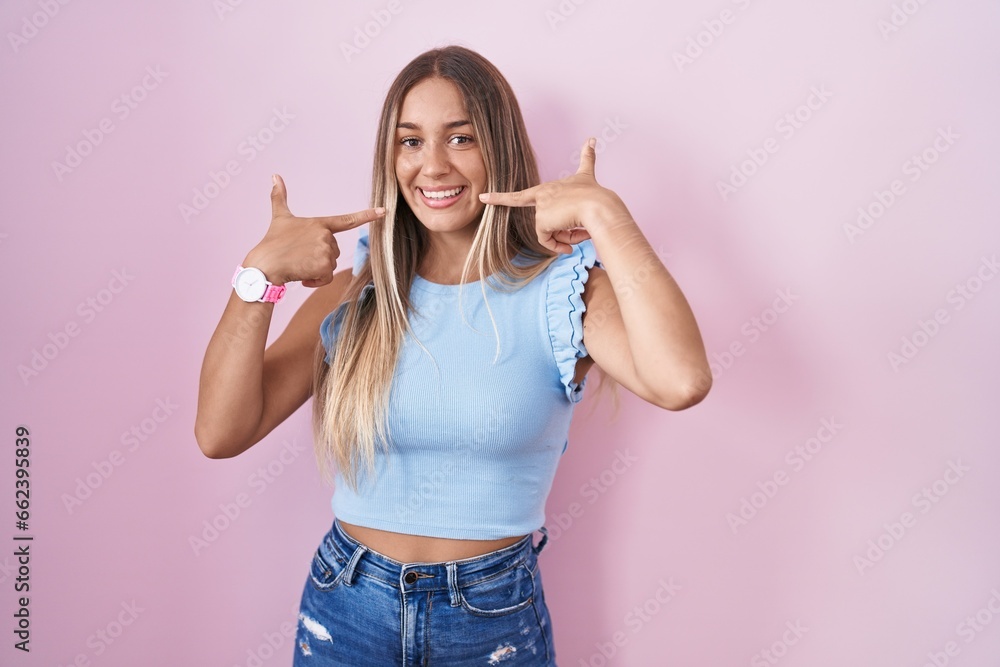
(672, 133)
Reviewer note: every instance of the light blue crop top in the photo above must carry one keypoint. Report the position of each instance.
(474, 449)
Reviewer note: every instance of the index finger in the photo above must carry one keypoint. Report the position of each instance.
(519, 198)
(340, 223)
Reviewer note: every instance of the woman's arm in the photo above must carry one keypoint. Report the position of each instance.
(245, 390)
(638, 327)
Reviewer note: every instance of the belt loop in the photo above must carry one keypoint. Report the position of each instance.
(453, 583)
(349, 572)
(541, 544)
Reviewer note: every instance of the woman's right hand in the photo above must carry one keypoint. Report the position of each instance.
(302, 249)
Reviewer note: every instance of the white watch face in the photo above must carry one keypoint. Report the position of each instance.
(250, 284)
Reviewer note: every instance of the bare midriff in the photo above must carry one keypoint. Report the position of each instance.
(421, 548)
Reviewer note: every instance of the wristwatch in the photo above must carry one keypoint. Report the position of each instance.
(251, 285)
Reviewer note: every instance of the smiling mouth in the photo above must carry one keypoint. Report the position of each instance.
(442, 195)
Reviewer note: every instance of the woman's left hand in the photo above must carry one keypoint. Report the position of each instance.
(565, 210)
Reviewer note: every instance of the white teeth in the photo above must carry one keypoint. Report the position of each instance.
(443, 194)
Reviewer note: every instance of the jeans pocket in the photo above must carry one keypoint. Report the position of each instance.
(328, 567)
(500, 594)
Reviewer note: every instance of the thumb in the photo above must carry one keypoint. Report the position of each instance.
(587, 157)
(279, 197)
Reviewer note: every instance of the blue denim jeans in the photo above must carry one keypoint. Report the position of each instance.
(363, 609)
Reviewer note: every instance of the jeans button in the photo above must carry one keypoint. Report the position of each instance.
(410, 577)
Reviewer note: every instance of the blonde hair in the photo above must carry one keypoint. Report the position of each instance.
(351, 393)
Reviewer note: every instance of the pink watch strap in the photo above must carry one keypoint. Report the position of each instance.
(273, 293)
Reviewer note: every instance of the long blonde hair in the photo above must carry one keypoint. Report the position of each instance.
(351, 393)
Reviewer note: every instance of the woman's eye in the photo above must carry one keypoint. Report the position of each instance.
(414, 142)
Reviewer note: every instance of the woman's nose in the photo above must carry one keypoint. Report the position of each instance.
(435, 160)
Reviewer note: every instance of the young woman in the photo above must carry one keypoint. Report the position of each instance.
(454, 392)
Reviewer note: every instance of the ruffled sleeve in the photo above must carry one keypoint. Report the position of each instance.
(361, 251)
(564, 308)
(329, 330)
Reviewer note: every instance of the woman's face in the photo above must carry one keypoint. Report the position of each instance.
(437, 153)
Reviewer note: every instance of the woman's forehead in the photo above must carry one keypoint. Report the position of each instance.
(432, 102)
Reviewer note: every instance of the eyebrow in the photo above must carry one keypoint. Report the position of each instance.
(447, 126)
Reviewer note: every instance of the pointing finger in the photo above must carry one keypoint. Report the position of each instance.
(587, 157)
(340, 223)
(520, 198)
